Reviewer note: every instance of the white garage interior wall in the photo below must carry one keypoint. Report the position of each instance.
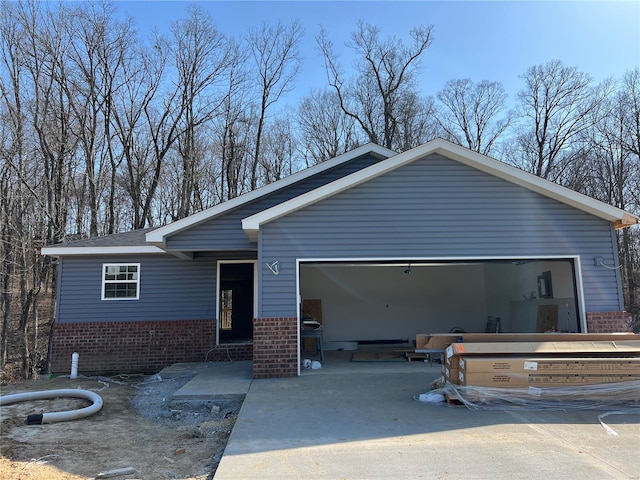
(363, 301)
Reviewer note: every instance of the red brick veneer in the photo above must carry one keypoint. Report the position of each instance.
(275, 347)
(608, 322)
(127, 347)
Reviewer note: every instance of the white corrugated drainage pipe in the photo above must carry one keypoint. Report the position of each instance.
(40, 418)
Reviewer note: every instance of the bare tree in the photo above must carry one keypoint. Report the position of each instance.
(6, 254)
(473, 114)
(325, 131)
(630, 97)
(113, 55)
(233, 131)
(557, 104)
(417, 121)
(13, 173)
(386, 71)
(202, 57)
(33, 45)
(129, 111)
(274, 49)
(278, 156)
(95, 54)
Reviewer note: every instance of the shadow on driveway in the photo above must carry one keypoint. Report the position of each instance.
(363, 422)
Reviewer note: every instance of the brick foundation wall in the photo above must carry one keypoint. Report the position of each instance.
(132, 347)
(235, 352)
(275, 347)
(608, 322)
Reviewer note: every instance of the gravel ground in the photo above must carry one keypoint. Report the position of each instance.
(139, 427)
(154, 402)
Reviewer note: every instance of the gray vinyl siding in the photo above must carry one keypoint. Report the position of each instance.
(170, 289)
(436, 207)
(225, 232)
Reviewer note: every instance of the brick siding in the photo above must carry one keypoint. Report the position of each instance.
(608, 322)
(135, 347)
(275, 347)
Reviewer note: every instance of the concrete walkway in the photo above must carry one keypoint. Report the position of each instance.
(361, 421)
(219, 380)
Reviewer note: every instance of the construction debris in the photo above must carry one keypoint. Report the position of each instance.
(118, 472)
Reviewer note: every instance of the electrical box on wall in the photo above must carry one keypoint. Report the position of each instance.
(545, 287)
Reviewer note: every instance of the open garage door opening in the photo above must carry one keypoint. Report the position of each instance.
(388, 301)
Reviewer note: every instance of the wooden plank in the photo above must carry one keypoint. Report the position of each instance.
(453, 401)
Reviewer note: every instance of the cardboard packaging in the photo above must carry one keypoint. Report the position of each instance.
(452, 362)
(549, 365)
(546, 348)
(439, 341)
(450, 375)
(522, 380)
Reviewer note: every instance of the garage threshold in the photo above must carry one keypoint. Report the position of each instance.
(339, 362)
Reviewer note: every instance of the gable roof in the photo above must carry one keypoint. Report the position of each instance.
(159, 235)
(620, 218)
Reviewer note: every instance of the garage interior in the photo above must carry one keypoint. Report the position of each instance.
(389, 302)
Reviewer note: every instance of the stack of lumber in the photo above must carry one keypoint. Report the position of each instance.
(536, 360)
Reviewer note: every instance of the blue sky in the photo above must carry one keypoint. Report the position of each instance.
(495, 40)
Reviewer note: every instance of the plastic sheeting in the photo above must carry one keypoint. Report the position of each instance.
(584, 397)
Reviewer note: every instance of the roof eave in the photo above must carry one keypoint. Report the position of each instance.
(626, 221)
(59, 251)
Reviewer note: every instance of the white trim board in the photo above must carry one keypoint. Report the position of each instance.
(251, 225)
(56, 251)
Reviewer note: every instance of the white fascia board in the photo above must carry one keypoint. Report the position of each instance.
(68, 251)
(158, 236)
(251, 225)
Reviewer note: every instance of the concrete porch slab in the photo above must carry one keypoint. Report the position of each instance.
(212, 380)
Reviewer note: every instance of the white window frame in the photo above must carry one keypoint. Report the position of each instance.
(105, 282)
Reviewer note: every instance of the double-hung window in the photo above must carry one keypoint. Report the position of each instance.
(120, 281)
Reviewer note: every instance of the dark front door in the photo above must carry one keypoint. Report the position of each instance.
(236, 302)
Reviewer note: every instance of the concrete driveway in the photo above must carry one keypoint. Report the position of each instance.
(361, 421)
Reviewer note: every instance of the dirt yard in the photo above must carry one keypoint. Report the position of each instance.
(138, 427)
